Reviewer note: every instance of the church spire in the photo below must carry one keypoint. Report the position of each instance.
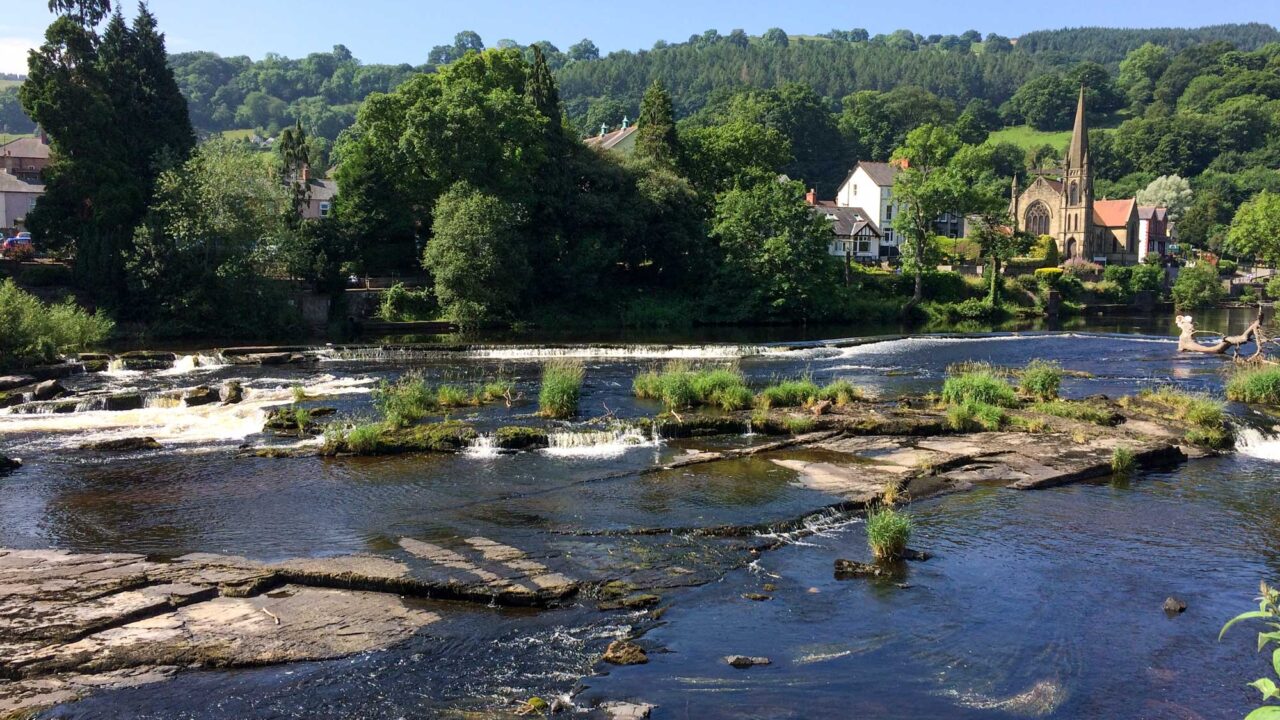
(1078, 154)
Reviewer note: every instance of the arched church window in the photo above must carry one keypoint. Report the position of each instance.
(1036, 220)
(1074, 193)
(1071, 248)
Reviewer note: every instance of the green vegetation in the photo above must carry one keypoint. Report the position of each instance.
(386, 439)
(399, 304)
(678, 387)
(1029, 138)
(789, 393)
(888, 532)
(1273, 288)
(1259, 384)
(32, 332)
(1198, 287)
(1041, 380)
(799, 425)
(561, 388)
(411, 398)
(974, 416)
(981, 386)
(1269, 611)
(1123, 462)
(1083, 411)
(1205, 416)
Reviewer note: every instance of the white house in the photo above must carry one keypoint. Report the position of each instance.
(870, 186)
(853, 233)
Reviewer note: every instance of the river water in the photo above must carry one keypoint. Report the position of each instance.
(1036, 604)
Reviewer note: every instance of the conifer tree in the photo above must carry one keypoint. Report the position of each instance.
(542, 89)
(656, 138)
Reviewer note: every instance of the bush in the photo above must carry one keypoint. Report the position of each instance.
(32, 332)
(1146, 278)
(45, 275)
(1051, 256)
(1108, 290)
(973, 416)
(888, 532)
(971, 309)
(1027, 282)
(656, 312)
(561, 389)
(400, 304)
(1118, 274)
(789, 393)
(1049, 276)
(1078, 266)
(982, 386)
(1249, 295)
(1198, 287)
(1273, 288)
(944, 286)
(1123, 462)
(1255, 385)
(1227, 268)
(1041, 380)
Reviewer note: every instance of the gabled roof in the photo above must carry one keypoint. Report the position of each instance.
(9, 183)
(27, 147)
(323, 190)
(1113, 213)
(609, 140)
(848, 221)
(1151, 212)
(880, 173)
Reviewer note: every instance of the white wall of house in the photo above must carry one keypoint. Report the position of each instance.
(15, 206)
(860, 247)
(860, 191)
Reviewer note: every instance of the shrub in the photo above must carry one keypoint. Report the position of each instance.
(1122, 462)
(406, 401)
(561, 389)
(1227, 268)
(888, 532)
(1249, 295)
(1273, 288)
(982, 386)
(655, 312)
(1041, 380)
(32, 332)
(1079, 266)
(44, 275)
(399, 304)
(789, 393)
(1255, 385)
(1146, 278)
(1051, 255)
(971, 309)
(944, 286)
(1107, 290)
(1118, 274)
(1197, 287)
(972, 416)
(1049, 276)
(1027, 282)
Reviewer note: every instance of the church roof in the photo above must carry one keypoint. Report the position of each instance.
(1078, 153)
(609, 140)
(1113, 213)
(1151, 212)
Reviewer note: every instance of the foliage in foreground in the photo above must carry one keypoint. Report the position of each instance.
(1206, 416)
(980, 385)
(888, 532)
(1198, 287)
(1041, 380)
(1268, 610)
(1255, 385)
(561, 388)
(678, 387)
(32, 332)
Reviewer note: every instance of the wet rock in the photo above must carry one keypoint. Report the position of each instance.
(293, 420)
(8, 465)
(12, 382)
(146, 360)
(822, 408)
(448, 437)
(625, 652)
(198, 396)
(626, 710)
(845, 569)
(9, 399)
(124, 445)
(48, 390)
(93, 357)
(232, 392)
(632, 602)
(125, 401)
(520, 438)
(53, 372)
(270, 358)
(1174, 606)
(95, 366)
(756, 597)
(914, 555)
(746, 661)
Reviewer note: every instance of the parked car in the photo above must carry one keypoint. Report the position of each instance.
(18, 247)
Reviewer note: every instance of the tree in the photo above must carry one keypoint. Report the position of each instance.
(736, 153)
(583, 51)
(776, 37)
(1198, 286)
(774, 250)
(1168, 191)
(999, 241)
(1140, 70)
(925, 188)
(1255, 231)
(88, 13)
(479, 272)
(656, 138)
(542, 89)
(1047, 102)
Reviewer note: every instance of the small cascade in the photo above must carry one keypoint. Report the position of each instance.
(401, 353)
(600, 443)
(484, 446)
(750, 430)
(190, 363)
(118, 368)
(1257, 443)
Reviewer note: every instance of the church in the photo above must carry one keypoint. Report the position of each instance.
(1104, 231)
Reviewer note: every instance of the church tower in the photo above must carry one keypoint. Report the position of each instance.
(1077, 192)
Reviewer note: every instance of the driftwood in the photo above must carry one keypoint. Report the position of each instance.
(1187, 341)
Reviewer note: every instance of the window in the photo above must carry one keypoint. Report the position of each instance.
(1074, 193)
(888, 213)
(1036, 221)
(324, 209)
(864, 247)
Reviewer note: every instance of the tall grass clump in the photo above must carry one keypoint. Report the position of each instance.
(32, 332)
(974, 416)
(1123, 462)
(1041, 380)
(841, 392)
(979, 386)
(1206, 416)
(1082, 411)
(888, 532)
(453, 396)
(406, 401)
(561, 389)
(1255, 385)
(678, 386)
(789, 393)
(494, 390)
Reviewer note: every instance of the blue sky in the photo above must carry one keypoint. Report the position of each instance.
(405, 30)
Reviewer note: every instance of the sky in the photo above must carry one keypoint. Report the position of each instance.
(396, 31)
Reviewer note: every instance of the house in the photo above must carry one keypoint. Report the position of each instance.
(17, 198)
(855, 236)
(1153, 231)
(25, 158)
(320, 197)
(1064, 208)
(870, 185)
(622, 140)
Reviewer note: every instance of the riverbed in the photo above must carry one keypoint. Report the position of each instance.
(1035, 604)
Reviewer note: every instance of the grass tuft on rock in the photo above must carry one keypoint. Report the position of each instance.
(1083, 411)
(974, 416)
(1041, 380)
(561, 389)
(1206, 416)
(789, 393)
(678, 386)
(1123, 462)
(982, 386)
(1258, 385)
(888, 532)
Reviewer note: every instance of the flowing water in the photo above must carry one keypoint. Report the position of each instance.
(1036, 604)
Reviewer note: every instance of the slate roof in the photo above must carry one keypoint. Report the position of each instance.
(881, 174)
(1151, 212)
(323, 190)
(848, 221)
(28, 147)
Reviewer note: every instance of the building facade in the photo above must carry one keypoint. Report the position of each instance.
(26, 158)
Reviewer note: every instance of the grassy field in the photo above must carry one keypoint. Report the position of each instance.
(1028, 137)
(9, 83)
(242, 134)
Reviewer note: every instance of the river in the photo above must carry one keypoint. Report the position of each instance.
(1035, 604)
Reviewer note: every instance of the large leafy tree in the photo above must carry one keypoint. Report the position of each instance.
(1255, 231)
(926, 187)
(1168, 191)
(87, 13)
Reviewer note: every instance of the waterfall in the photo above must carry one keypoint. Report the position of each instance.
(399, 353)
(1256, 443)
(484, 447)
(190, 363)
(599, 443)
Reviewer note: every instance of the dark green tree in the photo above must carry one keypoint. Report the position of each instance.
(86, 12)
(656, 138)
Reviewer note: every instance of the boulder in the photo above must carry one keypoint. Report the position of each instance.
(48, 390)
(1174, 606)
(8, 465)
(203, 395)
(11, 382)
(9, 399)
(822, 408)
(756, 597)
(626, 710)
(232, 392)
(845, 569)
(134, 444)
(745, 661)
(625, 652)
(125, 401)
(638, 601)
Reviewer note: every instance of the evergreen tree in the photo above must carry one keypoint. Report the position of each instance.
(542, 89)
(656, 139)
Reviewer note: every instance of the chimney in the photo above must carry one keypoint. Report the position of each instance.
(811, 197)
(44, 137)
(306, 173)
